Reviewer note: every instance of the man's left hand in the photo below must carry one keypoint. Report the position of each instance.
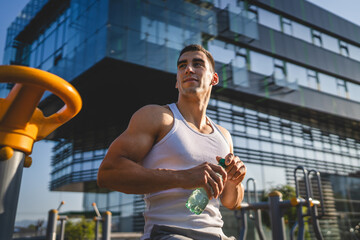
(235, 168)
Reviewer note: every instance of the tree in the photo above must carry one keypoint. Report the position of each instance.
(80, 230)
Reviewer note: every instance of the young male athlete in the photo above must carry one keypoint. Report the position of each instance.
(168, 151)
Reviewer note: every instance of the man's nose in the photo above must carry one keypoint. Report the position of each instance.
(189, 69)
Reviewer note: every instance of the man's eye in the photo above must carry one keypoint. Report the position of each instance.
(182, 66)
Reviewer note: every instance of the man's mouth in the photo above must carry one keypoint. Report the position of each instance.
(190, 80)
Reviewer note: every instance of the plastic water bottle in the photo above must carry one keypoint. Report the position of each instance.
(198, 199)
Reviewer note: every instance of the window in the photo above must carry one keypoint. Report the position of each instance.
(273, 176)
(354, 52)
(354, 91)
(222, 52)
(327, 84)
(296, 74)
(269, 19)
(253, 144)
(240, 142)
(286, 26)
(316, 38)
(343, 48)
(341, 88)
(261, 63)
(302, 32)
(239, 70)
(330, 43)
(312, 79)
(279, 69)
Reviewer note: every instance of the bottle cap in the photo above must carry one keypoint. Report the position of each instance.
(222, 163)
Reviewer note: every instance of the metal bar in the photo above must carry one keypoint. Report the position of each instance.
(242, 216)
(62, 226)
(318, 179)
(51, 226)
(292, 231)
(96, 209)
(300, 215)
(313, 210)
(257, 212)
(106, 229)
(276, 216)
(97, 220)
(10, 180)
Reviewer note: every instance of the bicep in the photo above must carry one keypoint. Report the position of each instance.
(131, 145)
(135, 142)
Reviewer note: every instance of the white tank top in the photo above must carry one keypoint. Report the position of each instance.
(182, 148)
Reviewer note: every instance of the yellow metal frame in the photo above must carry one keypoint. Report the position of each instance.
(21, 122)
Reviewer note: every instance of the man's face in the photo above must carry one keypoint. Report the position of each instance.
(194, 73)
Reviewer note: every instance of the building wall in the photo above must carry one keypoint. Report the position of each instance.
(289, 90)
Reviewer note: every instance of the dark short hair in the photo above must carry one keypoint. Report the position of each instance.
(197, 47)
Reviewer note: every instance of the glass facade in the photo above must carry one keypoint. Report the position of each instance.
(242, 37)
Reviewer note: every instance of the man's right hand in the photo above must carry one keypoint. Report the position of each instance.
(206, 176)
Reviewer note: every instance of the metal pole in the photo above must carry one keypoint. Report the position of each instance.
(11, 168)
(276, 217)
(106, 226)
(242, 216)
(97, 219)
(62, 226)
(313, 212)
(257, 212)
(51, 226)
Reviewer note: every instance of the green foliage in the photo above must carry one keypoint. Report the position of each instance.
(80, 230)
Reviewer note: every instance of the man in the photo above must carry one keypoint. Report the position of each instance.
(168, 151)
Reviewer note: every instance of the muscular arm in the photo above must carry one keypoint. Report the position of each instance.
(121, 169)
(233, 192)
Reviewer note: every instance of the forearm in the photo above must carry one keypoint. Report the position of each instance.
(233, 195)
(132, 178)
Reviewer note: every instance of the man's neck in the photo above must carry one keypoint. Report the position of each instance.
(194, 111)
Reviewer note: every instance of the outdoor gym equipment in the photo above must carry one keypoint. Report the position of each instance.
(106, 224)
(276, 206)
(21, 124)
(53, 217)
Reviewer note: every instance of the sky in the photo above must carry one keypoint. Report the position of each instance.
(35, 200)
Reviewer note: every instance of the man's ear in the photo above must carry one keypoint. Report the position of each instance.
(215, 79)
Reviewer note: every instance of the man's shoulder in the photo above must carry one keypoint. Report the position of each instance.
(225, 133)
(154, 114)
(223, 130)
(153, 110)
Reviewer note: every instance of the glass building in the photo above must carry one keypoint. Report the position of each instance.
(289, 89)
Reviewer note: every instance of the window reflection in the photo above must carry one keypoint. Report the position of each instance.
(286, 26)
(261, 63)
(274, 176)
(328, 84)
(330, 43)
(253, 144)
(296, 74)
(252, 131)
(354, 91)
(269, 19)
(302, 32)
(255, 171)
